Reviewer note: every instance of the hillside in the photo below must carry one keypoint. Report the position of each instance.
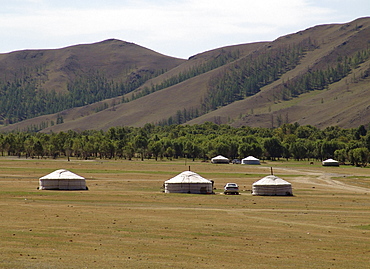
(56, 67)
(50, 81)
(319, 76)
(343, 103)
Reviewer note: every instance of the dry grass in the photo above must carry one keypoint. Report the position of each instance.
(344, 103)
(125, 221)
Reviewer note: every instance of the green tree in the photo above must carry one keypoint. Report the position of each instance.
(298, 150)
(273, 148)
(329, 147)
(141, 144)
(38, 148)
(2, 145)
(305, 131)
(77, 147)
(252, 149)
(169, 152)
(9, 143)
(360, 132)
(359, 156)
(106, 148)
(367, 140)
(156, 148)
(68, 145)
(129, 150)
(190, 150)
(19, 139)
(220, 148)
(341, 155)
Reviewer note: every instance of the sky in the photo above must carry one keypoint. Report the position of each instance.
(178, 28)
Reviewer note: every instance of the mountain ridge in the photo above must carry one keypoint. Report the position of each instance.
(266, 108)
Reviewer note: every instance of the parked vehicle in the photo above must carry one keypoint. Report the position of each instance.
(231, 188)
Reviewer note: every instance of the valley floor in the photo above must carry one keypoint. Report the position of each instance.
(125, 220)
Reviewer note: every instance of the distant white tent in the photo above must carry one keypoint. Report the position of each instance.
(220, 159)
(330, 162)
(62, 180)
(188, 182)
(272, 185)
(251, 160)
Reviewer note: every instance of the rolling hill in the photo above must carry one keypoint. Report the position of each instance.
(56, 67)
(319, 76)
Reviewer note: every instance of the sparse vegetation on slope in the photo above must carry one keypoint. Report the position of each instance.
(35, 83)
(223, 58)
(319, 79)
(258, 84)
(246, 77)
(21, 99)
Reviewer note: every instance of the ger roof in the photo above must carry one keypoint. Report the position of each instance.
(251, 158)
(330, 161)
(219, 157)
(62, 174)
(271, 180)
(188, 177)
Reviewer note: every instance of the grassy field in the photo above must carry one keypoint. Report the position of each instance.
(125, 220)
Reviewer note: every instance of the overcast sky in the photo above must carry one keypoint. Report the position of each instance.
(179, 28)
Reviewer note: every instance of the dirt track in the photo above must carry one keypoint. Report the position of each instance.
(324, 179)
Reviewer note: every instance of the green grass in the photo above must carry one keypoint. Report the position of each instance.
(363, 227)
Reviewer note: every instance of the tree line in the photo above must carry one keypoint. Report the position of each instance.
(289, 141)
(23, 98)
(221, 59)
(246, 76)
(320, 79)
